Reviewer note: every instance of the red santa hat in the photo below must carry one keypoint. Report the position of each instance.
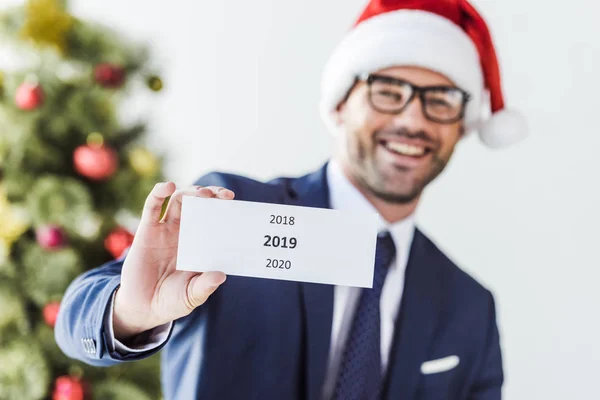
(446, 36)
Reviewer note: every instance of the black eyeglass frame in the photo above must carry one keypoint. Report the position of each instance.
(415, 90)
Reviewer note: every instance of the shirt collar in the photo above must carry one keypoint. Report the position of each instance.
(344, 196)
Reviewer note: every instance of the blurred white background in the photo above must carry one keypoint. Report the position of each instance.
(242, 86)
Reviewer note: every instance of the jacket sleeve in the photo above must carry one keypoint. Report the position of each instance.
(80, 330)
(488, 383)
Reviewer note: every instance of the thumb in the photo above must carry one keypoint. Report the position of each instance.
(201, 286)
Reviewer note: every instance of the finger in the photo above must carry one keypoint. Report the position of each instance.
(226, 194)
(173, 210)
(201, 286)
(155, 200)
(216, 191)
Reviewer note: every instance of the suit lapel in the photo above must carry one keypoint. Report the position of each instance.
(414, 328)
(317, 299)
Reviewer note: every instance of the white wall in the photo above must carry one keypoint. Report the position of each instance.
(242, 89)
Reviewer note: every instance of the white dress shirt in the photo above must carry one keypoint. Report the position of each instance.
(343, 196)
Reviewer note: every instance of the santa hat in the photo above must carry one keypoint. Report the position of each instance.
(446, 36)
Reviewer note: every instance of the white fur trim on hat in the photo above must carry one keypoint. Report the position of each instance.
(504, 128)
(403, 38)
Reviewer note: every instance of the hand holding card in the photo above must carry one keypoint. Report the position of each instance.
(152, 291)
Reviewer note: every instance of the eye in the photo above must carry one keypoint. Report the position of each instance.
(438, 102)
(390, 94)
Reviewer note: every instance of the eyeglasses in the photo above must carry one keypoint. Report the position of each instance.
(441, 104)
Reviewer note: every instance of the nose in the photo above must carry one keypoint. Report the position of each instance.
(412, 116)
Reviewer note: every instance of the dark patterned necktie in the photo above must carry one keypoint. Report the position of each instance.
(359, 376)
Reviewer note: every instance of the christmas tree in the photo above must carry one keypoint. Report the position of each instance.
(72, 179)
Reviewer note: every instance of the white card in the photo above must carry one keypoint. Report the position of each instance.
(275, 241)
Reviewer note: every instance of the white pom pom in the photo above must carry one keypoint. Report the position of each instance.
(504, 128)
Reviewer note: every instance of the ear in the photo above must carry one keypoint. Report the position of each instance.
(462, 133)
(340, 109)
(338, 113)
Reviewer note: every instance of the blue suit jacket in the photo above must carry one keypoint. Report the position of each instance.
(269, 339)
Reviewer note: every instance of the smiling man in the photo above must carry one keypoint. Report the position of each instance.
(400, 91)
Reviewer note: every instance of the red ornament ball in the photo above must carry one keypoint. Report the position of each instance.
(109, 75)
(95, 162)
(118, 241)
(69, 388)
(29, 97)
(51, 237)
(50, 313)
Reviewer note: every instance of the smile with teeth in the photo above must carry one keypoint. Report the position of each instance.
(405, 149)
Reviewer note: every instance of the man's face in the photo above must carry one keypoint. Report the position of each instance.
(394, 156)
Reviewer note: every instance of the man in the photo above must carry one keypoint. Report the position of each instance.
(405, 85)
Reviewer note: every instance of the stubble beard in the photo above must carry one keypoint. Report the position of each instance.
(366, 173)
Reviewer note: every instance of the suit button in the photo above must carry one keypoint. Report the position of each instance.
(89, 345)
